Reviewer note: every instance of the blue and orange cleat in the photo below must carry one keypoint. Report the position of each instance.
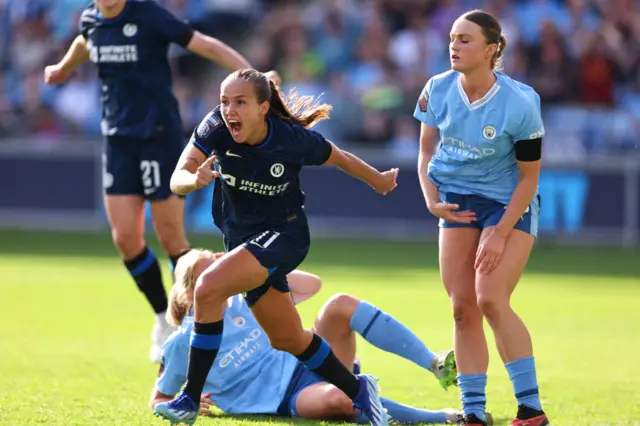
(368, 401)
(181, 410)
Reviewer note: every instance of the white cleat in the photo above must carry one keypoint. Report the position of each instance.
(160, 333)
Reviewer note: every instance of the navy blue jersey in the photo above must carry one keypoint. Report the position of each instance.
(260, 186)
(131, 54)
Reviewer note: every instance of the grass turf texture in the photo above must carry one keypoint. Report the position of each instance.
(75, 330)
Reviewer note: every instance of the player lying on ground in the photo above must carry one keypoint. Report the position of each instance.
(250, 377)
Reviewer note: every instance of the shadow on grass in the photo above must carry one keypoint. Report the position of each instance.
(370, 255)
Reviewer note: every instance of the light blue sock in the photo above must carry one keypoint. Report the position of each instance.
(522, 373)
(406, 414)
(472, 389)
(387, 333)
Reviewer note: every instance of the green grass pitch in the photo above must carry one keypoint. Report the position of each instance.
(74, 333)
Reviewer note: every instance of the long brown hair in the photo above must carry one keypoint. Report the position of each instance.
(302, 110)
(492, 32)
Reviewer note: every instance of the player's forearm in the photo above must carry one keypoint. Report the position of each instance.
(429, 190)
(357, 168)
(520, 202)
(76, 55)
(303, 285)
(218, 52)
(183, 182)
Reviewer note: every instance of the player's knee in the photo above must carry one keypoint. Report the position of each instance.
(171, 236)
(129, 243)
(338, 404)
(341, 304)
(208, 290)
(492, 306)
(465, 312)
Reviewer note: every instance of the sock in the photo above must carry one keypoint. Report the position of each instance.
(145, 271)
(472, 388)
(406, 414)
(320, 359)
(385, 332)
(173, 261)
(522, 373)
(205, 342)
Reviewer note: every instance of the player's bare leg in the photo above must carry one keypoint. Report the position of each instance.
(458, 248)
(494, 292)
(126, 217)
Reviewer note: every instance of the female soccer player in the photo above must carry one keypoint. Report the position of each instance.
(259, 146)
(482, 184)
(128, 41)
(282, 385)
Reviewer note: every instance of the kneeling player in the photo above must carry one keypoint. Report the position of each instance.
(250, 377)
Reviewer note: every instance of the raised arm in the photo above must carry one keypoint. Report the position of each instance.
(382, 182)
(75, 56)
(217, 51)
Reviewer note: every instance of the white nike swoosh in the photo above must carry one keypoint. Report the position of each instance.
(231, 154)
(148, 191)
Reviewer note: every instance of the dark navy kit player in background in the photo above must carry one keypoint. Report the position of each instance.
(128, 41)
(257, 143)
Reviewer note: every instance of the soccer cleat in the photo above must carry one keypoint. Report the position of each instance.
(473, 420)
(178, 411)
(368, 401)
(528, 416)
(452, 416)
(457, 417)
(444, 368)
(160, 333)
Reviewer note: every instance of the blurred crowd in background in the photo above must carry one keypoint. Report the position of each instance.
(368, 58)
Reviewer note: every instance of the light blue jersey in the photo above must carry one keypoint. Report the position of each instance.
(477, 140)
(248, 376)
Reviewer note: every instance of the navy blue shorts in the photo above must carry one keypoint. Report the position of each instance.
(280, 249)
(143, 167)
(489, 212)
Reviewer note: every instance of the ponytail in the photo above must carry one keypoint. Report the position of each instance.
(497, 57)
(302, 110)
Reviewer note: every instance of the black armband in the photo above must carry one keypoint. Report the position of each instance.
(529, 150)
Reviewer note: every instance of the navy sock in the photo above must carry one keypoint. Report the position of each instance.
(320, 359)
(522, 373)
(385, 332)
(145, 270)
(205, 342)
(474, 399)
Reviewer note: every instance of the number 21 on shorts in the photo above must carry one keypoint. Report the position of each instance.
(150, 175)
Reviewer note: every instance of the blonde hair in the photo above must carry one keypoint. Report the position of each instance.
(185, 281)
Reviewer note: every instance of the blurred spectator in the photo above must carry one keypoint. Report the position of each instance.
(368, 58)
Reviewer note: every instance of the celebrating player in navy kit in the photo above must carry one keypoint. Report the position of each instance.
(128, 40)
(258, 143)
(483, 185)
